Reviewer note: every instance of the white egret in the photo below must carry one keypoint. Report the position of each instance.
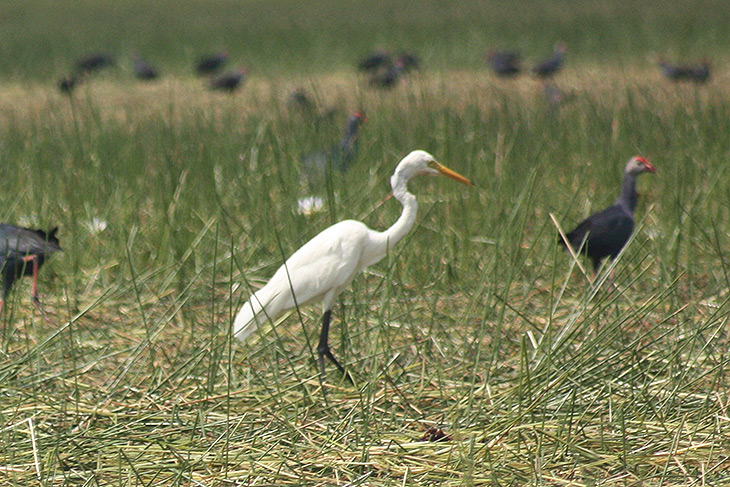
(323, 267)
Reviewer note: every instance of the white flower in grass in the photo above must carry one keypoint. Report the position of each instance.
(95, 225)
(309, 205)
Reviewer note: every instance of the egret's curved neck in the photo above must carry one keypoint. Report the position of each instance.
(405, 222)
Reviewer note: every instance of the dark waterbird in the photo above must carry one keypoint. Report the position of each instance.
(143, 70)
(318, 164)
(605, 233)
(22, 252)
(387, 70)
(672, 72)
(698, 73)
(211, 64)
(504, 62)
(548, 67)
(374, 61)
(389, 75)
(93, 62)
(229, 82)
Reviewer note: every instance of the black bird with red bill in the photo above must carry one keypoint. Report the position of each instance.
(604, 234)
(22, 253)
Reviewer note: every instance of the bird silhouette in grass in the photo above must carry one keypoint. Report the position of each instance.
(550, 66)
(211, 63)
(22, 253)
(228, 82)
(605, 233)
(505, 63)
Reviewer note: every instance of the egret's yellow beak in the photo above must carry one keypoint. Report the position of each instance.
(450, 174)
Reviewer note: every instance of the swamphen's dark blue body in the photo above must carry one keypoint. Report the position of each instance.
(504, 62)
(551, 65)
(605, 233)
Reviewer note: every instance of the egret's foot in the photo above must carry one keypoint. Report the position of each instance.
(324, 351)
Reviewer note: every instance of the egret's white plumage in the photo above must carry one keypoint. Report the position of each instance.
(323, 267)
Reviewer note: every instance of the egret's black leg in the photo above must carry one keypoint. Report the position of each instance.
(323, 349)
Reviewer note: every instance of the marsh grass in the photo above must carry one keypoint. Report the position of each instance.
(477, 324)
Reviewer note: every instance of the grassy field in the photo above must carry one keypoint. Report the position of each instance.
(174, 203)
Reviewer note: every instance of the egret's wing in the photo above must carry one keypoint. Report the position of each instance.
(326, 263)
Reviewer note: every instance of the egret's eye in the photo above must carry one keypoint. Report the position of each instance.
(433, 164)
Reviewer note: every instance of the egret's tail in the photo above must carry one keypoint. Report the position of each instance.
(245, 322)
(251, 314)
